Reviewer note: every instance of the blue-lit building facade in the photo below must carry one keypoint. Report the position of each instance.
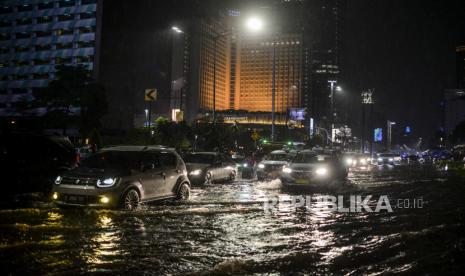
(37, 35)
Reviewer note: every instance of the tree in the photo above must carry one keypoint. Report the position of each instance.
(73, 97)
(459, 133)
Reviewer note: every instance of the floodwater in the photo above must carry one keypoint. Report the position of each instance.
(225, 229)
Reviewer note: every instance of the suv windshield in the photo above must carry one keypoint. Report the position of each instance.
(310, 158)
(276, 157)
(113, 160)
(199, 158)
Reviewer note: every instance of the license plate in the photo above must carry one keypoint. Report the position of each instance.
(301, 181)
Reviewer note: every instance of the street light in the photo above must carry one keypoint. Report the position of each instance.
(176, 29)
(332, 83)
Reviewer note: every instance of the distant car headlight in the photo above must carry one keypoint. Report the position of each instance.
(380, 159)
(321, 171)
(363, 161)
(391, 159)
(261, 166)
(349, 161)
(195, 172)
(107, 182)
(58, 180)
(287, 170)
(245, 165)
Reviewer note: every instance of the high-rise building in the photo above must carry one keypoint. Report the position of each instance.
(35, 36)
(256, 72)
(460, 62)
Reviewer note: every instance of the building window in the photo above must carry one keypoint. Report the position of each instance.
(5, 23)
(65, 17)
(85, 44)
(85, 30)
(87, 15)
(63, 60)
(41, 61)
(21, 63)
(19, 91)
(5, 10)
(43, 47)
(23, 35)
(42, 76)
(25, 7)
(64, 45)
(45, 5)
(86, 2)
(24, 21)
(59, 32)
(43, 34)
(44, 19)
(21, 49)
(67, 3)
(84, 59)
(4, 37)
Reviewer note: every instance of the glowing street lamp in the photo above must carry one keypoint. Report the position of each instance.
(254, 24)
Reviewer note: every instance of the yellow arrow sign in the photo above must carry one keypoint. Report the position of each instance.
(255, 136)
(150, 95)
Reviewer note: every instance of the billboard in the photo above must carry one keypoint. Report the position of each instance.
(378, 135)
(297, 114)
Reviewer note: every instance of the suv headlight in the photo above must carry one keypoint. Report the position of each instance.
(58, 180)
(349, 161)
(287, 170)
(261, 166)
(321, 171)
(195, 172)
(107, 182)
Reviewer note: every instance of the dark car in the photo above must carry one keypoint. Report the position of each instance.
(387, 159)
(30, 162)
(356, 160)
(209, 167)
(312, 169)
(124, 176)
(272, 164)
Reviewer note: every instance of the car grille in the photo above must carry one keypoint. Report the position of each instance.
(270, 168)
(79, 199)
(81, 181)
(301, 174)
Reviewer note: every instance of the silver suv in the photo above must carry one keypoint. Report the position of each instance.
(124, 176)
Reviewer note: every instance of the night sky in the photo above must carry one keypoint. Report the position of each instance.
(406, 51)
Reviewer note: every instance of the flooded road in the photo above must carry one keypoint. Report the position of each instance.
(225, 229)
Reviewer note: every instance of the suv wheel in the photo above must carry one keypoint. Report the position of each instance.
(131, 200)
(183, 192)
(232, 176)
(208, 178)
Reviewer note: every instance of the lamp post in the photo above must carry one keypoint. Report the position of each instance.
(389, 134)
(273, 93)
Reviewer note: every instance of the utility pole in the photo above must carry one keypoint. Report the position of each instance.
(273, 93)
(215, 38)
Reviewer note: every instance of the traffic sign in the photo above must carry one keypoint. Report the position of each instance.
(255, 135)
(150, 95)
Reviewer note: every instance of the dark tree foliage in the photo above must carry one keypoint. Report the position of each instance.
(459, 133)
(73, 97)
